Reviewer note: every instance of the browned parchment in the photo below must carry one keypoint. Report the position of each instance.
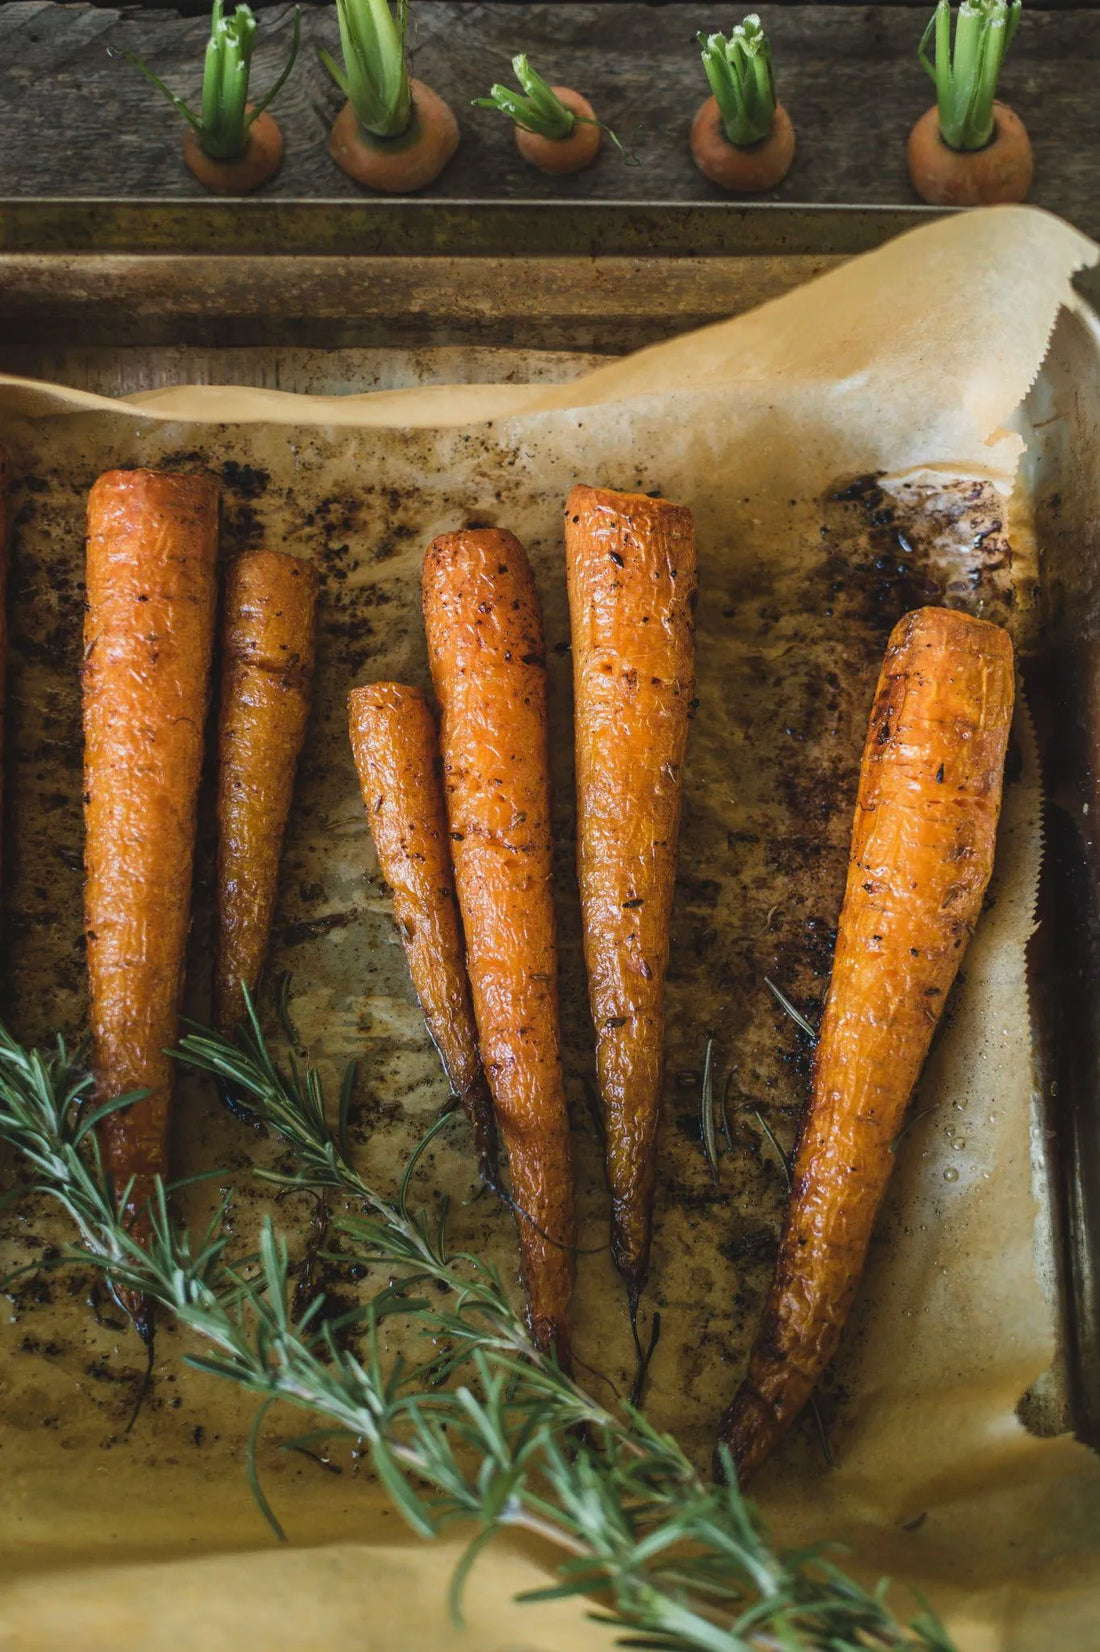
(849, 451)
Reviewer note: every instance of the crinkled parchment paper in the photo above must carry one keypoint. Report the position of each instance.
(849, 451)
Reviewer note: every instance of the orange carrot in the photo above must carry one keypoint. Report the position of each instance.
(969, 149)
(559, 156)
(231, 146)
(411, 159)
(1000, 172)
(255, 166)
(631, 568)
(741, 138)
(556, 129)
(148, 636)
(485, 646)
(922, 854)
(267, 670)
(393, 737)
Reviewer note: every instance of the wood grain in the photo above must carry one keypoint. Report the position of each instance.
(74, 121)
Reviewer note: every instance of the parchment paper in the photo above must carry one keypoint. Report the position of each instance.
(849, 451)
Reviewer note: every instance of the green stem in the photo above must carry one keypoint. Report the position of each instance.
(258, 108)
(966, 77)
(739, 69)
(538, 108)
(177, 103)
(375, 76)
(222, 126)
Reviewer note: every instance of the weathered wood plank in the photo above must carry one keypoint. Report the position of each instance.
(74, 121)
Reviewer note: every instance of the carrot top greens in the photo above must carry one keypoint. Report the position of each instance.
(537, 108)
(482, 1427)
(739, 69)
(375, 75)
(966, 78)
(222, 126)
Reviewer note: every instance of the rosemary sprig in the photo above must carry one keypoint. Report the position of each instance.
(222, 126)
(739, 69)
(484, 1428)
(966, 77)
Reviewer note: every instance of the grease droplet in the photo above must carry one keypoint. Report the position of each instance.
(951, 1174)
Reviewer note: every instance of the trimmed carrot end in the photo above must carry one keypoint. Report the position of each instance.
(262, 157)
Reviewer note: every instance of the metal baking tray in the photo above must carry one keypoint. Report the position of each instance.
(90, 290)
(590, 276)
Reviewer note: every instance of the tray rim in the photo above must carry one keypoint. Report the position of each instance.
(456, 228)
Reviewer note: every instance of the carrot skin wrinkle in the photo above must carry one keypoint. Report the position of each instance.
(921, 857)
(396, 749)
(631, 570)
(268, 631)
(148, 639)
(485, 647)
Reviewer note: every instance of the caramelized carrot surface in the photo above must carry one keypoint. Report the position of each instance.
(486, 650)
(396, 748)
(267, 672)
(921, 857)
(148, 637)
(631, 569)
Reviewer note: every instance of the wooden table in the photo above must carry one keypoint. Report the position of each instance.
(74, 121)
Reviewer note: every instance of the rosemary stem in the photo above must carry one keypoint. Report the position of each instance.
(551, 1532)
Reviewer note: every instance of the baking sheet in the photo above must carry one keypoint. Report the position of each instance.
(848, 453)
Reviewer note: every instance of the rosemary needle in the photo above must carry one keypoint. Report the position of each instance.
(796, 1015)
(707, 1130)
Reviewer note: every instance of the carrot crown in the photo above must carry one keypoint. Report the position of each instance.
(375, 75)
(739, 69)
(537, 108)
(222, 127)
(966, 78)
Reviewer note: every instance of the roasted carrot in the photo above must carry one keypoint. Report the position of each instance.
(267, 671)
(630, 562)
(396, 748)
(921, 857)
(148, 636)
(487, 657)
